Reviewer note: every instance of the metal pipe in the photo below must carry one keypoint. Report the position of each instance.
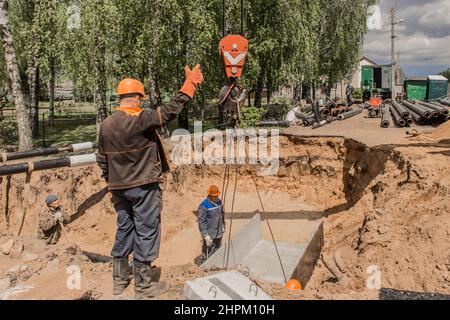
(73, 161)
(309, 121)
(416, 117)
(398, 118)
(274, 123)
(404, 113)
(386, 119)
(325, 111)
(440, 109)
(445, 102)
(319, 124)
(420, 111)
(434, 113)
(349, 114)
(49, 151)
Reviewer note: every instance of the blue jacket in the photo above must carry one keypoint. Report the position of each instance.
(211, 219)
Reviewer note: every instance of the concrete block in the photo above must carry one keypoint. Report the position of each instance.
(230, 285)
(240, 245)
(259, 256)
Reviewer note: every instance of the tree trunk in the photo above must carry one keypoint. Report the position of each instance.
(269, 91)
(101, 90)
(23, 123)
(34, 91)
(51, 115)
(153, 88)
(258, 92)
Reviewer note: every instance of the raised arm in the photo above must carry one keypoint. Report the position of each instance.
(155, 119)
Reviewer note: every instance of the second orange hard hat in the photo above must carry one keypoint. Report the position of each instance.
(213, 191)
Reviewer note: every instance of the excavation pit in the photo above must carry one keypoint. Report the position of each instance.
(318, 177)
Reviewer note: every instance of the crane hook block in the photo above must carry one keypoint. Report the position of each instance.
(233, 49)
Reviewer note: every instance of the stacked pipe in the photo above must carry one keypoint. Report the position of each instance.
(442, 110)
(399, 120)
(426, 113)
(403, 113)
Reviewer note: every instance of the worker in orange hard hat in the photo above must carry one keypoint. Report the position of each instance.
(211, 221)
(132, 159)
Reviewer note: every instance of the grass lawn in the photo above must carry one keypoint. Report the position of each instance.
(67, 132)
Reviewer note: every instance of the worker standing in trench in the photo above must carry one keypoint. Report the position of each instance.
(211, 222)
(132, 159)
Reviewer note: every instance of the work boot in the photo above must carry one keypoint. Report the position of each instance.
(144, 287)
(121, 275)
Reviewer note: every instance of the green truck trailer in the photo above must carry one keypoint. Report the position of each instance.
(376, 80)
(426, 89)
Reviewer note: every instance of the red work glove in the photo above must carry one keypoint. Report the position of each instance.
(194, 78)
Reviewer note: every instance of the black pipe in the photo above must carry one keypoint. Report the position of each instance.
(398, 118)
(439, 109)
(38, 165)
(420, 111)
(435, 103)
(409, 121)
(49, 151)
(444, 102)
(416, 117)
(404, 113)
(309, 121)
(274, 123)
(349, 114)
(325, 111)
(386, 119)
(73, 161)
(433, 113)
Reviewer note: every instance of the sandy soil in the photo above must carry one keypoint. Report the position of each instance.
(386, 205)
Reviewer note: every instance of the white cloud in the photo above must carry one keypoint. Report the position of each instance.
(423, 40)
(437, 18)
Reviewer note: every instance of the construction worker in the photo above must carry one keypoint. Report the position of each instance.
(211, 221)
(349, 93)
(131, 156)
(50, 220)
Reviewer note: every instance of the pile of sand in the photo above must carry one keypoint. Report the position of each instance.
(442, 132)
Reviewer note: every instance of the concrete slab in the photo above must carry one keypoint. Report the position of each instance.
(248, 249)
(230, 285)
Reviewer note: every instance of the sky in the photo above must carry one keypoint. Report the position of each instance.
(423, 39)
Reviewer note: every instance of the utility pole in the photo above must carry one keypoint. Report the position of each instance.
(394, 22)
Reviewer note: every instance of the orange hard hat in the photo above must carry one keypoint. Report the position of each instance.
(129, 86)
(293, 285)
(213, 191)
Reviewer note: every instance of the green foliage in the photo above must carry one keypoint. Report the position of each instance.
(251, 116)
(291, 42)
(446, 73)
(358, 94)
(9, 134)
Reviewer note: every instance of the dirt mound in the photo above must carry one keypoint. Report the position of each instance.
(442, 132)
(401, 225)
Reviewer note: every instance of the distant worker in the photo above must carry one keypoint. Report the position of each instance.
(349, 93)
(211, 221)
(132, 158)
(50, 220)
